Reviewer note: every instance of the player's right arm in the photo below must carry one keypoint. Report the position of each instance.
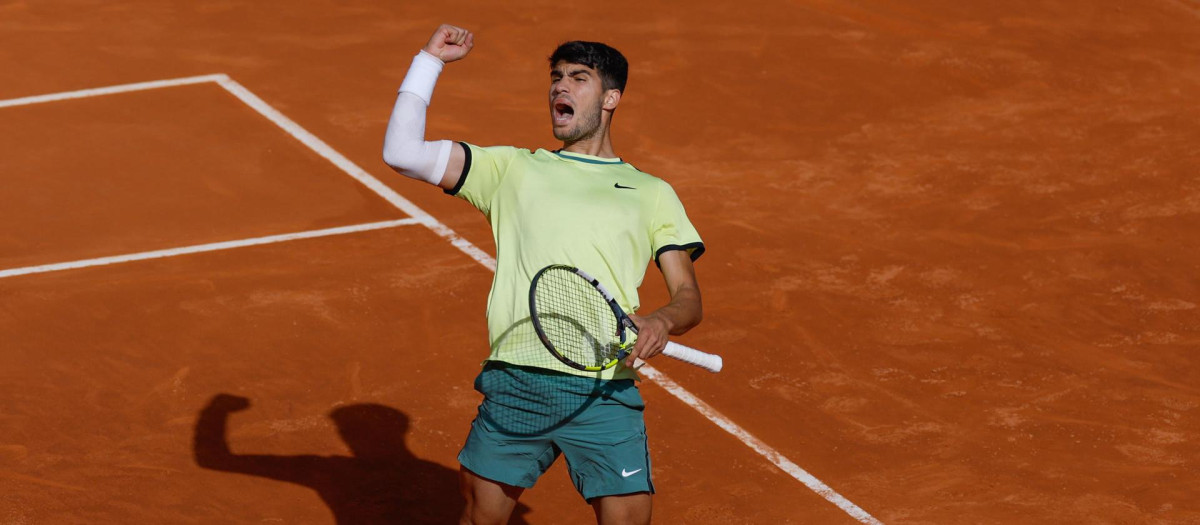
(404, 146)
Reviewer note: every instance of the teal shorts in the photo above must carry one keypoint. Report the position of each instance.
(530, 416)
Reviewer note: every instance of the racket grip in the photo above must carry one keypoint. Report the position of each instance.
(705, 360)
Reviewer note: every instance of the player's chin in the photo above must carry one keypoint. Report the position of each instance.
(565, 133)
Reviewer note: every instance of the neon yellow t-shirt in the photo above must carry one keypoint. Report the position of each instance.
(600, 215)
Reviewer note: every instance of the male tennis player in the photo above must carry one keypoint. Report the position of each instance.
(579, 205)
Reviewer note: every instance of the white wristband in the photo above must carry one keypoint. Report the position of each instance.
(422, 76)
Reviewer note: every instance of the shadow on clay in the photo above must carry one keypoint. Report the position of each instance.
(382, 482)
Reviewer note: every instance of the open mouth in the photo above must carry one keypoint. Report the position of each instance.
(562, 111)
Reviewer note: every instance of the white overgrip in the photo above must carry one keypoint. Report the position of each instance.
(711, 362)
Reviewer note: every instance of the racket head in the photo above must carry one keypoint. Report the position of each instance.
(576, 319)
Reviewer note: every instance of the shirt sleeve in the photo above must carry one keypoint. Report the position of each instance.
(484, 170)
(671, 229)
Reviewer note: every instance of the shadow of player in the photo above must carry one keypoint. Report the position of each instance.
(381, 483)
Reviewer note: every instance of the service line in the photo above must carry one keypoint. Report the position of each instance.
(110, 90)
(211, 247)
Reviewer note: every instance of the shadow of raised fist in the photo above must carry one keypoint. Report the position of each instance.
(227, 403)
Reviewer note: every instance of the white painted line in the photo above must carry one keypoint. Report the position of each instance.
(110, 90)
(325, 150)
(212, 247)
(759, 446)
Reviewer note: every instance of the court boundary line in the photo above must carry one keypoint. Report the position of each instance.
(109, 90)
(208, 247)
(420, 216)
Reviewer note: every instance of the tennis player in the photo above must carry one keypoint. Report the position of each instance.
(580, 205)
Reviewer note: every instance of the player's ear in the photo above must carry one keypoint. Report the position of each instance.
(611, 98)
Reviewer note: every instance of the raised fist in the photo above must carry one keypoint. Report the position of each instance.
(450, 43)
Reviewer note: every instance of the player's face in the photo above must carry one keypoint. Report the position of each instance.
(576, 101)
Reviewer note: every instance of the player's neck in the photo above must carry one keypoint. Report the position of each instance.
(597, 145)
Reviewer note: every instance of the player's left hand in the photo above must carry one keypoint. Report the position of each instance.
(450, 43)
(653, 332)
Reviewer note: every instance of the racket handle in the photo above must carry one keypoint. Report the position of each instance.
(705, 360)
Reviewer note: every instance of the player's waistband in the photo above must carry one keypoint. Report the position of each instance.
(513, 378)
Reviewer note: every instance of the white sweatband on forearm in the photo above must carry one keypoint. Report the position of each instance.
(404, 145)
(422, 75)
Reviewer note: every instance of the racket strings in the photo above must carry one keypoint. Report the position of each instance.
(530, 401)
(576, 319)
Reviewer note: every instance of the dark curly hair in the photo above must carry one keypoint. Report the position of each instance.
(610, 63)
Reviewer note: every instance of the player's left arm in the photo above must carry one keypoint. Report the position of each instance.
(404, 146)
(681, 314)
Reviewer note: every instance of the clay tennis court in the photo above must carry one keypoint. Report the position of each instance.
(952, 258)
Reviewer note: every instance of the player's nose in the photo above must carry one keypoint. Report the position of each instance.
(558, 87)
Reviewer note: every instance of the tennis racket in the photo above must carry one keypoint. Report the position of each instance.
(584, 327)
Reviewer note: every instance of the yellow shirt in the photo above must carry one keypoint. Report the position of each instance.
(600, 215)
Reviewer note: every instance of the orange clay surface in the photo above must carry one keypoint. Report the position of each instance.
(952, 258)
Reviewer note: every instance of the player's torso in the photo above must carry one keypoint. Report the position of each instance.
(554, 209)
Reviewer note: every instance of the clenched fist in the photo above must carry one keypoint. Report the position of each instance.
(450, 43)
(227, 403)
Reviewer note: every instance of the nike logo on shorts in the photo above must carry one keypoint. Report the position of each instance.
(627, 474)
(618, 185)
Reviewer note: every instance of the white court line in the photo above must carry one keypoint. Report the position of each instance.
(211, 247)
(420, 216)
(353, 170)
(759, 446)
(110, 90)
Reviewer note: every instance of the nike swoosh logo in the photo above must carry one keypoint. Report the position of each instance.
(618, 185)
(627, 474)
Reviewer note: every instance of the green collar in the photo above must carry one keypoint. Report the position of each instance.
(590, 159)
